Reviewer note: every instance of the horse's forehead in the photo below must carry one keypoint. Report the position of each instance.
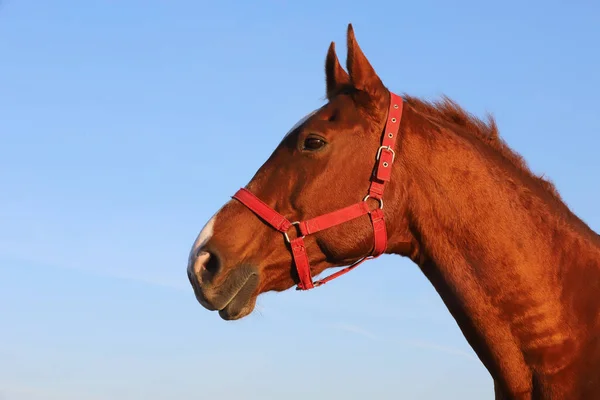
(300, 122)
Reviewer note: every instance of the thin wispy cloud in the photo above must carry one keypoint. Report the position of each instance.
(356, 330)
(438, 347)
(11, 254)
(423, 344)
(8, 252)
(9, 391)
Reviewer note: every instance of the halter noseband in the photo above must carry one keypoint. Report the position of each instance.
(382, 174)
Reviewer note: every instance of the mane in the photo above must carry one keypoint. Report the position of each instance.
(487, 132)
(448, 111)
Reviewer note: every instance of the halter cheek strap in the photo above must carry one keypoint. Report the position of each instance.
(382, 173)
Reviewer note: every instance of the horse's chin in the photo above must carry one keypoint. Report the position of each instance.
(232, 314)
(234, 298)
(244, 301)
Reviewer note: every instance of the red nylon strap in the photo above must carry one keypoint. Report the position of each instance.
(380, 237)
(269, 215)
(302, 263)
(381, 175)
(280, 223)
(334, 218)
(339, 273)
(379, 232)
(386, 154)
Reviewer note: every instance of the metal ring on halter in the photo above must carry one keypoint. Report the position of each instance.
(380, 201)
(287, 238)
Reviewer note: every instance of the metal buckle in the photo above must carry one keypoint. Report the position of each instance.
(380, 201)
(386, 148)
(287, 238)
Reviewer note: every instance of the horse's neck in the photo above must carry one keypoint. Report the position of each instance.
(513, 275)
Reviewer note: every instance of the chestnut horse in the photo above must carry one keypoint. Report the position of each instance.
(372, 173)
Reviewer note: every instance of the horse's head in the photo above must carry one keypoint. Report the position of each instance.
(325, 163)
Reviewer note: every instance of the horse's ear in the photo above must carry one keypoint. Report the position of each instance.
(335, 76)
(362, 73)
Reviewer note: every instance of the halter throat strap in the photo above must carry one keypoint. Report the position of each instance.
(381, 175)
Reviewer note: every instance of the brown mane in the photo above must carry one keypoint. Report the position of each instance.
(449, 111)
(446, 111)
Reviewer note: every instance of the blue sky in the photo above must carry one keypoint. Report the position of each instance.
(114, 120)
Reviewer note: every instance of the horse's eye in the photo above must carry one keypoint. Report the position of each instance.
(313, 143)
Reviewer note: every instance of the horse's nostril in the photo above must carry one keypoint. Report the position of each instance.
(212, 265)
(206, 266)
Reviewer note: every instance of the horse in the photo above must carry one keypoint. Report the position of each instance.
(372, 172)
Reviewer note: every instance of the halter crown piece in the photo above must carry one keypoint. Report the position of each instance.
(382, 174)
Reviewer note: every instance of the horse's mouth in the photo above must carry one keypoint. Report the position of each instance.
(242, 302)
(234, 298)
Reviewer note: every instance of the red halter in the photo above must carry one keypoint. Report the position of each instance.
(382, 174)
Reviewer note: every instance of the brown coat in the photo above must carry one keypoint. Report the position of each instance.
(517, 269)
